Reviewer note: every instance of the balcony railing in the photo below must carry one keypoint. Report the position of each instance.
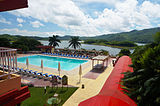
(8, 60)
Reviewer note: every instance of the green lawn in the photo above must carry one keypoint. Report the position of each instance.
(38, 98)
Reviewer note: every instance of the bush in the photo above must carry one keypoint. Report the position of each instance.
(124, 52)
(4, 42)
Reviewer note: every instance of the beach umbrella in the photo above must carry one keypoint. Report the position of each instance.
(59, 68)
(52, 50)
(42, 65)
(80, 73)
(27, 63)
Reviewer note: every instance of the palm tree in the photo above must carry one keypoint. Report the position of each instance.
(53, 41)
(74, 42)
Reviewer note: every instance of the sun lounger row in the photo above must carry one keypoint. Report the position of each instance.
(34, 73)
(67, 55)
(38, 74)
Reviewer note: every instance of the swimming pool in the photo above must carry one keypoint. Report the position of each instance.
(52, 62)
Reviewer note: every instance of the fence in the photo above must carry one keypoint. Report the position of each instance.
(8, 60)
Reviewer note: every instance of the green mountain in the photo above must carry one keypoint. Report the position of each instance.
(14, 37)
(140, 36)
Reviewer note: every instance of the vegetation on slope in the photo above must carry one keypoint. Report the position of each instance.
(143, 84)
(142, 36)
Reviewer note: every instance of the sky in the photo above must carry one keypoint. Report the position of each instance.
(45, 18)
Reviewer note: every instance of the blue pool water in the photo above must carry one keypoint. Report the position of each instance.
(52, 62)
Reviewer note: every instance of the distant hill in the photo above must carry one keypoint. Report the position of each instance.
(14, 37)
(140, 36)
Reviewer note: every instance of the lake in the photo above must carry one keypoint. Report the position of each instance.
(111, 50)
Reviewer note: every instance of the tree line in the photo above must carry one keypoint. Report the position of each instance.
(22, 43)
(29, 44)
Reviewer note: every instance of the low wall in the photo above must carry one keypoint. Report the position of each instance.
(9, 84)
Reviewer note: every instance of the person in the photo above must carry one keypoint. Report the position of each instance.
(45, 90)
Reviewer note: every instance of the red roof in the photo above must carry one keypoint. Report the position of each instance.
(6, 5)
(111, 94)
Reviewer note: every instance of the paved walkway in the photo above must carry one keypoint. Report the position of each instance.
(92, 88)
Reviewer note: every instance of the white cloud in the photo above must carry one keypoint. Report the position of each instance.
(110, 2)
(20, 25)
(151, 10)
(126, 15)
(36, 24)
(20, 20)
(3, 20)
(16, 31)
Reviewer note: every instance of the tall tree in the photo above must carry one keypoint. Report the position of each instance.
(53, 41)
(142, 85)
(74, 42)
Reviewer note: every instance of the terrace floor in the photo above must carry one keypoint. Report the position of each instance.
(91, 88)
(93, 81)
(37, 82)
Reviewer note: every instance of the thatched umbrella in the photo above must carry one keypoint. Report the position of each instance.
(42, 65)
(59, 68)
(27, 63)
(80, 73)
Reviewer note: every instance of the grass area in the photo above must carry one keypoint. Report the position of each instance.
(38, 98)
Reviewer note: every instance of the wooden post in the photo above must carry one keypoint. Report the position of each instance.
(5, 58)
(103, 64)
(13, 60)
(16, 58)
(8, 64)
(10, 61)
(0, 59)
(92, 63)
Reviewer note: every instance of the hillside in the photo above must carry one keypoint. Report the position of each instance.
(140, 36)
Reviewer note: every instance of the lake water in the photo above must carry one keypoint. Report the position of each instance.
(111, 50)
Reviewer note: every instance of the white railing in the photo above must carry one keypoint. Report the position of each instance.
(8, 60)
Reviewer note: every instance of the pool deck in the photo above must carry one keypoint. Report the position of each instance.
(91, 86)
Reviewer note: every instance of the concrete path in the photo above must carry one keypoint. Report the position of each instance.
(92, 88)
